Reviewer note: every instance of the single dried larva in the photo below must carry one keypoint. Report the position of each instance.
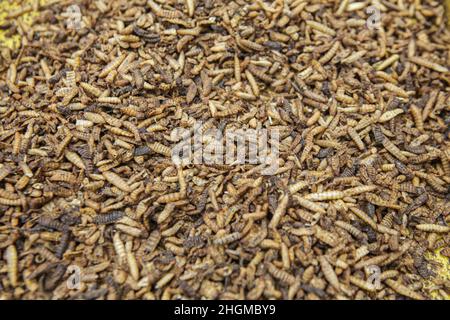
(161, 149)
(91, 89)
(280, 274)
(417, 116)
(75, 159)
(309, 204)
(116, 180)
(228, 238)
(325, 196)
(396, 90)
(108, 218)
(356, 138)
(433, 228)
(389, 115)
(351, 229)
(280, 211)
(330, 53)
(329, 272)
(119, 248)
(403, 290)
(320, 27)
(363, 284)
(10, 256)
(171, 197)
(364, 217)
(428, 64)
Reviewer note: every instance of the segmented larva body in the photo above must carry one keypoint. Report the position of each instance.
(378, 134)
(309, 204)
(108, 218)
(445, 159)
(12, 265)
(63, 244)
(75, 159)
(356, 138)
(171, 197)
(112, 65)
(280, 274)
(351, 229)
(119, 248)
(428, 227)
(417, 116)
(260, 74)
(388, 219)
(360, 283)
(358, 190)
(389, 115)
(52, 224)
(249, 44)
(329, 272)
(428, 64)
(325, 196)
(376, 200)
(364, 217)
(403, 290)
(152, 242)
(330, 53)
(161, 149)
(327, 237)
(394, 150)
(296, 187)
(11, 202)
(91, 89)
(117, 181)
(320, 27)
(228, 238)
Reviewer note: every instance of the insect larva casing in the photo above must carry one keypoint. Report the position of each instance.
(161, 149)
(280, 274)
(91, 89)
(12, 265)
(327, 237)
(314, 207)
(247, 44)
(75, 159)
(227, 238)
(171, 197)
(63, 244)
(389, 115)
(394, 150)
(119, 248)
(360, 283)
(378, 134)
(108, 218)
(50, 223)
(417, 116)
(403, 290)
(279, 211)
(117, 181)
(363, 216)
(330, 53)
(428, 227)
(356, 138)
(132, 262)
(324, 196)
(152, 241)
(112, 65)
(351, 229)
(329, 272)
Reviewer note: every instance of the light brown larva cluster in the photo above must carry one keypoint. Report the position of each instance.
(91, 110)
